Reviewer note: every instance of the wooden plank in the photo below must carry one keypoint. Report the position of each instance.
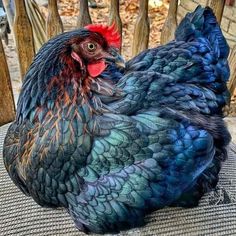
(84, 16)
(114, 16)
(7, 106)
(218, 8)
(142, 29)
(232, 65)
(38, 23)
(24, 37)
(170, 25)
(54, 22)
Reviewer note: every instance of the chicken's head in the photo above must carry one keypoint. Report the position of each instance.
(95, 48)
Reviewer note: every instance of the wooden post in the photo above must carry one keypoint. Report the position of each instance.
(170, 25)
(232, 65)
(54, 23)
(24, 37)
(115, 15)
(218, 8)
(7, 106)
(142, 29)
(84, 16)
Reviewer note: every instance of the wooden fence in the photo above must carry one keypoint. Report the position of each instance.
(26, 50)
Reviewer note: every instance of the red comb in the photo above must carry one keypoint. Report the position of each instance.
(110, 33)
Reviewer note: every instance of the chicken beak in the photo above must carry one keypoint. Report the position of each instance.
(113, 57)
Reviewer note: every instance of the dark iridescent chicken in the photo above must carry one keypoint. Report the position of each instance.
(112, 144)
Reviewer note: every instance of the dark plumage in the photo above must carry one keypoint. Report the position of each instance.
(112, 144)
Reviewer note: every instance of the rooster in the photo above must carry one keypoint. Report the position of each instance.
(112, 142)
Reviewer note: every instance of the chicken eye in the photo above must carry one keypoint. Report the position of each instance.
(91, 47)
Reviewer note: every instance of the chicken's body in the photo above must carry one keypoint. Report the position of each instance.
(114, 147)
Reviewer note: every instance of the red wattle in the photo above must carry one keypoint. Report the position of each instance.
(96, 69)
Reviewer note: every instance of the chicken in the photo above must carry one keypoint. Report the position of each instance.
(111, 143)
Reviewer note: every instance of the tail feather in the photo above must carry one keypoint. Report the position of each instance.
(202, 23)
(202, 27)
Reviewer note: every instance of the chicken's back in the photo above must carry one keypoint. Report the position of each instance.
(196, 63)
